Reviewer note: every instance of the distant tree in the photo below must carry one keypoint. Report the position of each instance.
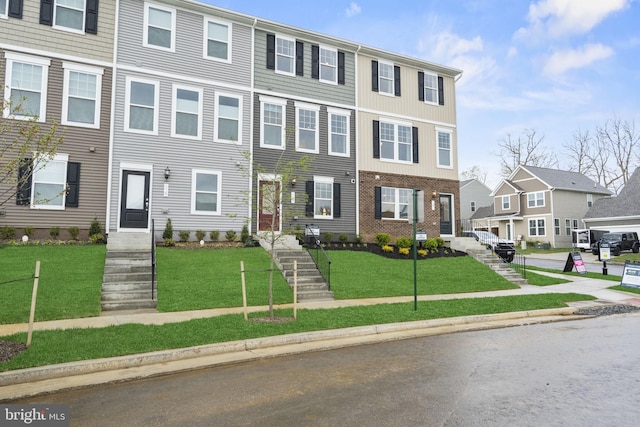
(527, 149)
(474, 172)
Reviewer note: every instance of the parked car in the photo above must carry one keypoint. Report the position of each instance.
(505, 249)
(618, 242)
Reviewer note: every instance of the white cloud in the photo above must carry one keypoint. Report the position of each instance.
(557, 18)
(353, 9)
(564, 60)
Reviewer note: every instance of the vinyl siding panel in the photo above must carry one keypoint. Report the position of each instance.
(29, 33)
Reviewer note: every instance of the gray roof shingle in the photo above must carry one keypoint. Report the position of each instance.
(626, 204)
(566, 180)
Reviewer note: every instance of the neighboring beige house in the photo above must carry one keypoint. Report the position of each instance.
(542, 205)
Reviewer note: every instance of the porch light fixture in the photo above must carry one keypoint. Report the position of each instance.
(293, 182)
(167, 173)
(434, 194)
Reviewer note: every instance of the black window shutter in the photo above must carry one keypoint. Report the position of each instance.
(23, 195)
(378, 202)
(299, 58)
(91, 21)
(420, 86)
(415, 144)
(271, 51)
(15, 9)
(336, 200)
(440, 90)
(73, 184)
(374, 75)
(341, 72)
(309, 206)
(46, 12)
(376, 139)
(396, 79)
(315, 62)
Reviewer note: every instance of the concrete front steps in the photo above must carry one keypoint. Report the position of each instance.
(126, 284)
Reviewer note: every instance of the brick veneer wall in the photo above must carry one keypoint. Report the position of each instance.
(370, 226)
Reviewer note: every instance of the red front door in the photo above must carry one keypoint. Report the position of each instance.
(269, 206)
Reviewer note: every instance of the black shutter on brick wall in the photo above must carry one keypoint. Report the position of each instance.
(341, 71)
(91, 20)
(15, 9)
(414, 133)
(440, 90)
(336, 200)
(271, 51)
(309, 206)
(315, 62)
(299, 58)
(73, 185)
(374, 75)
(396, 80)
(376, 139)
(23, 194)
(46, 12)
(420, 86)
(377, 196)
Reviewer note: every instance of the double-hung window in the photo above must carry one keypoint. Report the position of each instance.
(49, 183)
(285, 55)
(473, 206)
(81, 100)
(589, 200)
(159, 27)
(187, 112)
(323, 197)
(26, 86)
(535, 199)
(328, 65)
(69, 14)
(506, 203)
(536, 227)
(444, 148)
(567, 226)
(217, 40)
(4, 4)
(339, 132)
(272, 116)
(307, 127)
(228, 118)
(396, 141)
(386, 78)
(556, 226)
(430, 88)
(205, 192)
(395, 202)
(141, 109)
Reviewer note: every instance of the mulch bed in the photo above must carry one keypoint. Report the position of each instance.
(10, 349)
(443, 252)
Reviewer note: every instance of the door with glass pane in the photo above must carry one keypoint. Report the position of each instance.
(446, 214)
(269, 205)
(134, 202)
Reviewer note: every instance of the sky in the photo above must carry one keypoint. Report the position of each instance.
(556, 67)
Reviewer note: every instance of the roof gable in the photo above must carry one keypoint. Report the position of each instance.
(566, 180)
(626, 204)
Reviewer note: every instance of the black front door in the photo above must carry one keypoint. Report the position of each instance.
(446, 214)
(134, 202)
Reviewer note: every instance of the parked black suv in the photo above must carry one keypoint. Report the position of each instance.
(503, 248)
(618, 242)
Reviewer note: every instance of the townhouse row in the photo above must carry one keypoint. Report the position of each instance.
(181, 110)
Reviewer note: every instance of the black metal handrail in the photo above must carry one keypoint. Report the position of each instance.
(153, 260)
(519, 264)
(319, 256)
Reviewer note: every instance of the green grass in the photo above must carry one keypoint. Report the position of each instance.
(542, 280)
(626, 256)
(51, 347)
(626, 289)
(588, 274)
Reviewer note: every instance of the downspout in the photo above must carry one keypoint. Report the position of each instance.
(112, 124)
(252, 115)
(357, 133)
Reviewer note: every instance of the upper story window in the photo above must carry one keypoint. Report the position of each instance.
(159, 27)
(307, 128)
(80, 16)
(217, 40)
(4, 8)
(339, 135)
(385, 78)
(26, 86)
(272, 117)
(81, 97)
(205, 192)
(228, 118)
(589, 200)
(473, 206)
(141, 106)
(535, 199)
(430, 88)
(395, 141)
(285, 55)
(187, 112)
(445, 159)
(395, 203)
(506, 203)
(328, 65)
(69, 14)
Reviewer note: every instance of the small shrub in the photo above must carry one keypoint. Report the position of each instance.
(422, 252)
(358, 239)
(95, 227)
(169, 243)
(328, 236)
(54, 232)
(298, 233)
(73, 231)
(245, 237)
(96, 238)
(387, 248)
(439, 241)
(382, 239)
(230, 235)
(403, 251)
(28, 231)
(431, 244)
(343, 238)
(7, 232)
(168, 230)
(200, 235)
(184, 235)
(214, 235)
(404, 242)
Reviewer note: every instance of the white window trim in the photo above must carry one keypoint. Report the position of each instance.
(393, 80)
(567, 226)
(589, 200)
(316, 109)
(194, 173)
(156, 104)
(430, 73)
(557, 229)
(62, 27)
(174, 102)
(216, 117)
(450, 132)
(536, 227)
(145, 31)
(339, 112)
(276, 101)
(57, 158)
(396, 143)
(98, 72)
(508, 204)
(286, 73)
(32, 60)
(535, 200)
(396, 202)
(331, 49)
(205, 32)
(323, 180)
(4, 14)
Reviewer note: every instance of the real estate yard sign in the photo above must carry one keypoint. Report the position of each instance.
(631, 274)
(575, 260)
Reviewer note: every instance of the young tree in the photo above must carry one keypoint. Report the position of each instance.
(19, 140)
(527, 149)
